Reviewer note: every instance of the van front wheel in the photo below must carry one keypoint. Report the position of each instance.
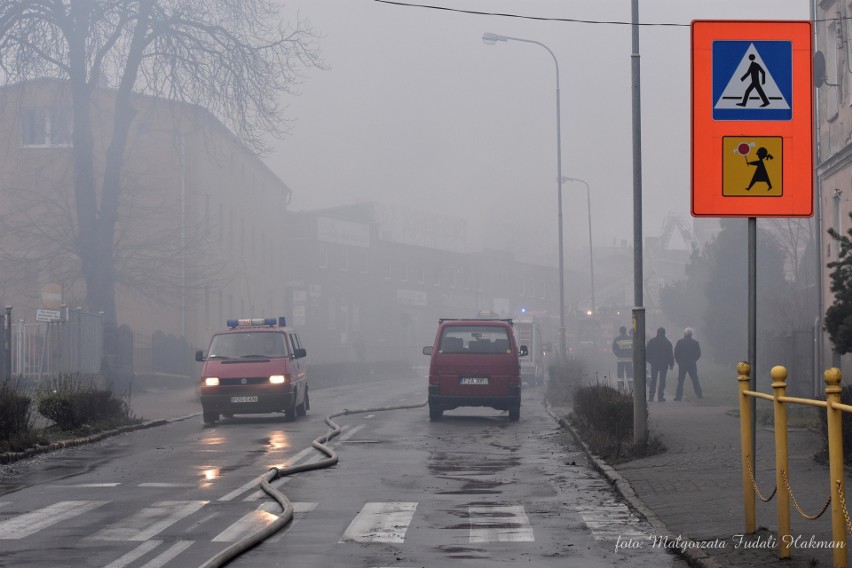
(435, 413)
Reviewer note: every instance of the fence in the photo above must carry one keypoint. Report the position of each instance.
(82, 343)
(48, 348)
(834, 411)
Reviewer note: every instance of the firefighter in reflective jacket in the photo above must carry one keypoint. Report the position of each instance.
(622, 348)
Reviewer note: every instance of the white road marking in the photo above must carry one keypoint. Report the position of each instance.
(29, 523)
(169, 554)
(610, 520)
(500, 523)
(134, 554)
(155, 484)
(85, 485)
(380, 522)
(258, 519)
(150, 521)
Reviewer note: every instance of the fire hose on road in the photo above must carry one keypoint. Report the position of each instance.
(286, 515)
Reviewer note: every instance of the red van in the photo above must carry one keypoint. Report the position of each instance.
(255, 366)
(474, 362)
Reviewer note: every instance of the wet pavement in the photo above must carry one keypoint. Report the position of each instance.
(691, 494)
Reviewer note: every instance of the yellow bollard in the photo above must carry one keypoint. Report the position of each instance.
(834, 417)
(779, 387)
(743, 372)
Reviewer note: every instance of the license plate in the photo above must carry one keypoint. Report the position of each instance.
(243, 399)
(474, 380)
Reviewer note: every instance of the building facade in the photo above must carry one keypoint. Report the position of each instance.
(833, 81)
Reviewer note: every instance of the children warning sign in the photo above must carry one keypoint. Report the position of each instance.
(752, 119)
(752, 166)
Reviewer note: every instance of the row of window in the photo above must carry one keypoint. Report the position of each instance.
(46, 126)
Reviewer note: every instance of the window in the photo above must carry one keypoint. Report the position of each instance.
(323, 255)
(831, 71)
(360, 260)
(344, 258)
(46, 127)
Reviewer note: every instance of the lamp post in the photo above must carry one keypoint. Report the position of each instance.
(591, 250)
(491, 39)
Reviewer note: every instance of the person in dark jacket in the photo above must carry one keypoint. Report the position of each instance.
(659, 354)
(687, 351)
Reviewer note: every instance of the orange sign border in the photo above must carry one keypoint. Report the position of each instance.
(707, 134)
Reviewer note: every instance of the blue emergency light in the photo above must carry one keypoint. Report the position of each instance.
(251, 322)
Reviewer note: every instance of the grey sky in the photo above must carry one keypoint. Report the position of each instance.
(416, 111)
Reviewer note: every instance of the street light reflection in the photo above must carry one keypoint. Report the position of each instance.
(278, 441)
(212, 440)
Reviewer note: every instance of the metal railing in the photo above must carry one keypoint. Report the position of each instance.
(840, 521)
(74, 345)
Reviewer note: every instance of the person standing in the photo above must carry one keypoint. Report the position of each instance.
(622, 348)
(659, 354)
(687, 351)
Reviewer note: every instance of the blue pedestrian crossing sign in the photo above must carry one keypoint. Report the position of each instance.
(752, 80)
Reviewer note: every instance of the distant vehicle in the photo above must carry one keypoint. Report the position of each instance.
(533, 364)
(255, 366)
(474, 362)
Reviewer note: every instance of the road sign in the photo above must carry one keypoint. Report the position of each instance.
(752, 119)
(48, 315)
(753, 166)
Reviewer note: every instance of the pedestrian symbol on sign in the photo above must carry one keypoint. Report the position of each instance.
(752, 80)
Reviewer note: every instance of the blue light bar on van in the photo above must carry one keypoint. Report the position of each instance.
(251, 322)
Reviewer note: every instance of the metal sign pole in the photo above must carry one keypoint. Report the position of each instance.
(752, 323)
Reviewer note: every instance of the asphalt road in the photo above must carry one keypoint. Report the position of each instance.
(470, 490)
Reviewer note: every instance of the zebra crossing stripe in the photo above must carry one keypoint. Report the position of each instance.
(168, 554)
(150, 521)
(610, 520)
(134, 554)
(29, 523)
(380, 522)
(257, 520)
(500, 523)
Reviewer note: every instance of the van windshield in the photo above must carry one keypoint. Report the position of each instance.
(254, 344)
(475, 339)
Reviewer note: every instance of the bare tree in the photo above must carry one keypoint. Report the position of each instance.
(234, 59)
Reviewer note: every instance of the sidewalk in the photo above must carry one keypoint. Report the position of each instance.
(694, 489)
(154, 403)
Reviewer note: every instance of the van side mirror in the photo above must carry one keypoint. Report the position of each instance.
(299, 353)
(427, 350)
(199, 355)
(523, 351)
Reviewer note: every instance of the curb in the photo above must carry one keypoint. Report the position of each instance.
(693, 555)
(11, 457)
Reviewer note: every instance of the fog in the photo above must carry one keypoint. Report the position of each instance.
(417, 113)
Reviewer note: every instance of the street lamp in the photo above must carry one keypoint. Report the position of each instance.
(491, 39)
(591, 253)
